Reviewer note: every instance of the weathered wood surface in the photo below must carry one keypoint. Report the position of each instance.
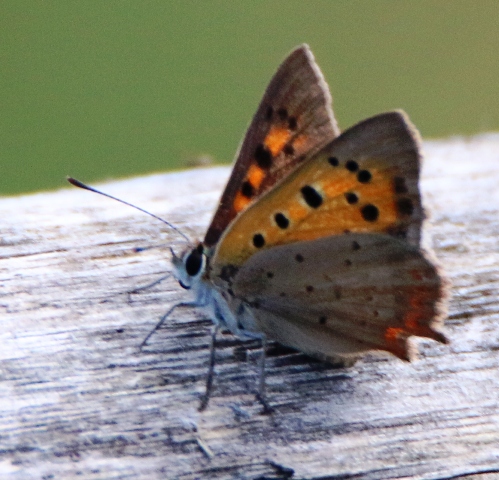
(78, 399)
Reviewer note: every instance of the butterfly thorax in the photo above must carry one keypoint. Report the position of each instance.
(192, 271)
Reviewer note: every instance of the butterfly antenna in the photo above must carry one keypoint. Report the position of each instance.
(79, 184)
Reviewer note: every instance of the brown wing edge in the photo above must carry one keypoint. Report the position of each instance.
(224, 213)
(441, 310)
(414, 237)
(413, 234)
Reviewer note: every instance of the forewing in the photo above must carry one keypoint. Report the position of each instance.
(340, 296)
(294, 119)
(366, 180)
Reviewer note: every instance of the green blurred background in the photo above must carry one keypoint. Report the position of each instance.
(101, 89)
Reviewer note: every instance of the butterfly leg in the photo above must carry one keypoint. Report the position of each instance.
(261, 380)
(239, 320)
(260, 395)
(211, 369)
(261, 370)
(195, 303)
(150, 285)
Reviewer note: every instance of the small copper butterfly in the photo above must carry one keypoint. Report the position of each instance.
(316, 240)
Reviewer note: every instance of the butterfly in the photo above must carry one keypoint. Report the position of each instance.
(315, 242)
(316, 239)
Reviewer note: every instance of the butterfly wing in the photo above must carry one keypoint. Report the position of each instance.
(294, 118)
(366, 180)
(329, 261)
(343, 295)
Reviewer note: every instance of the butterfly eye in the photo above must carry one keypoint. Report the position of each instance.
(194, 262)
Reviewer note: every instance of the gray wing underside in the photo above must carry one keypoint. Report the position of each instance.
(340, 296)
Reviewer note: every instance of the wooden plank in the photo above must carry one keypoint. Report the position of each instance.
(79, 399)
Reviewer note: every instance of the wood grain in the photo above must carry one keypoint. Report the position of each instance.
(79, 399)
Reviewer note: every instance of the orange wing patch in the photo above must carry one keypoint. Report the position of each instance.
(240, 202)
(255, 176)
(396, 342)
(416, 318)
(319, 199)
(276, 139)
(365, 181)
(279, 140)
(250, 186)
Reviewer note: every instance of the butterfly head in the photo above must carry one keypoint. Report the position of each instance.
(190, 266)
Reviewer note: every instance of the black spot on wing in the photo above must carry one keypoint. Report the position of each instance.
(369, 212)
(351, 198)
(282, 113)
(247, 189)
(364, 176)
(288, 150)
(258, 240)
(405, 206)
(399, 185)
(263, 156)
(352, 165)
(281, 220)
(311, 196)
